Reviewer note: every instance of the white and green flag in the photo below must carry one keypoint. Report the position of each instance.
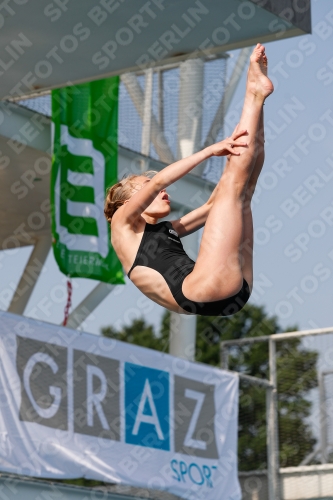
(84, 164)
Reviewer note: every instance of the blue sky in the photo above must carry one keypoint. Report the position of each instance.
(293, 207)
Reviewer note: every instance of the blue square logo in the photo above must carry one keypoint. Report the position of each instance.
(147, 407)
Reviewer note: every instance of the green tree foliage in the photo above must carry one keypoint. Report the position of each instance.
(296, 368)
(138, 333)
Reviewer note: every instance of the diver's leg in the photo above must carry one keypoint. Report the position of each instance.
(247, 244)
(218, 271)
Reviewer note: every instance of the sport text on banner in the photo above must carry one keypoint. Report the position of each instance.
(81, 405)
(84, 165)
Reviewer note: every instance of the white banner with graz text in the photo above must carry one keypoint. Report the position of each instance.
(79, 405)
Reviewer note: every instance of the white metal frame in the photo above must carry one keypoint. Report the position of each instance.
(323, 447)
(147, 113)
(30, 275)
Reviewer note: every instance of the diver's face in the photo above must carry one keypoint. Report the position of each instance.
(160, 206)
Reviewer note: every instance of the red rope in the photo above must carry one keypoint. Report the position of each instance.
(69, 301)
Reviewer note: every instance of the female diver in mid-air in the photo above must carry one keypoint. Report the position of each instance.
(220, 281)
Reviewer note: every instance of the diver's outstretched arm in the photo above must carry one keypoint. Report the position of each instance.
(137, 204)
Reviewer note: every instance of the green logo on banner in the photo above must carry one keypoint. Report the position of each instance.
(84, 165)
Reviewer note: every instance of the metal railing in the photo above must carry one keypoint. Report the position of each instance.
(272, 415)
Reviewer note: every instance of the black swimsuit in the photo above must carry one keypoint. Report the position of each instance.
(162, 250)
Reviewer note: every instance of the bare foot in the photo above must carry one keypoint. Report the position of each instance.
(257, 81)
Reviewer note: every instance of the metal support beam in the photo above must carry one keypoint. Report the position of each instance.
(18, 118)
(270, 444)
(323, 415)
(190, 109)
(260, 382)
(272, 431)
(278, 336)
(182, 336)
(160, 98)
(30, 275)
(182, 326)
(228, 94)
(147, 113)
(310, 456)
(85, 308)
(157, 136)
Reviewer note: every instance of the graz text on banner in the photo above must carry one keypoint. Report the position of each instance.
(80, 405)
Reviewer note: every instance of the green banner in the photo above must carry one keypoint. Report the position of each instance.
(84, 165)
